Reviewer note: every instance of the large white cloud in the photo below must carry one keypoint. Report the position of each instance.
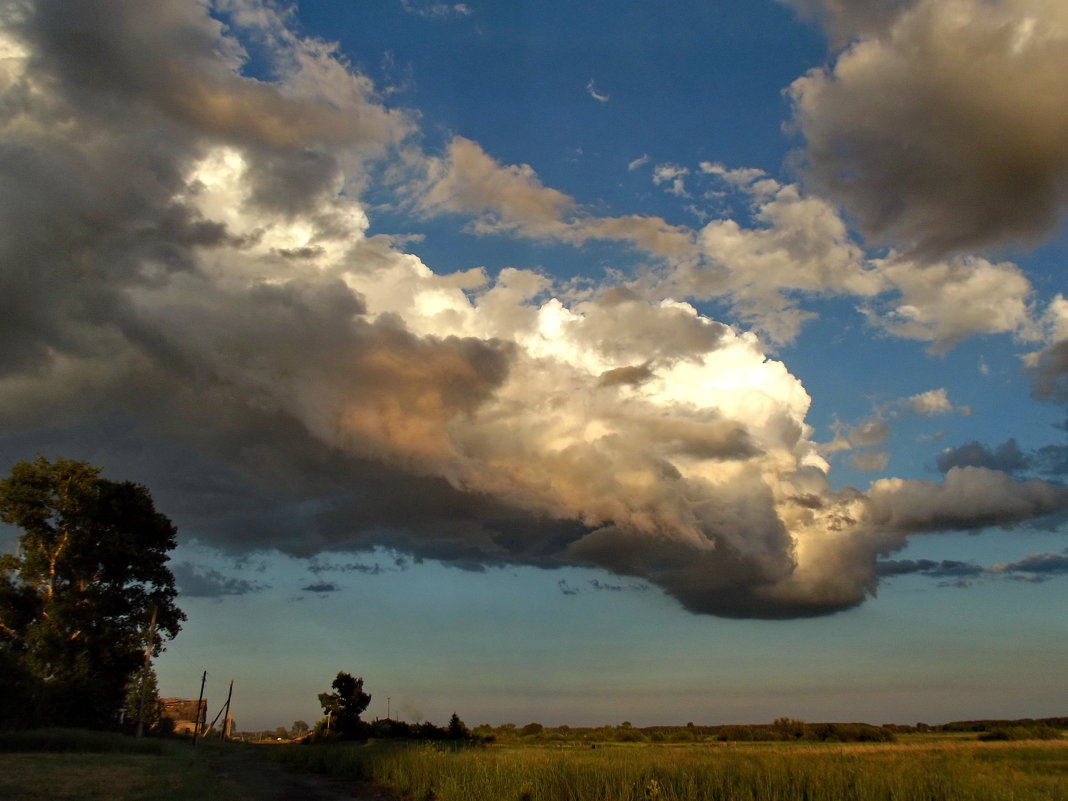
(187, 262)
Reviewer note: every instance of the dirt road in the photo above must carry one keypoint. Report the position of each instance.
(256, 778)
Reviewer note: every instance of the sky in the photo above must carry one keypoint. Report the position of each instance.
(570, 363)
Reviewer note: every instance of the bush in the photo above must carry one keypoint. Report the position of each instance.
(1037, 731)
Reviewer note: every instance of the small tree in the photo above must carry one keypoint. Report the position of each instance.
(142, 699)
(344, 706)
(457, 730)
(300, 728)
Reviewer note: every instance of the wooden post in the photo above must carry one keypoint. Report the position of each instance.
(200, 698)
(226, 720)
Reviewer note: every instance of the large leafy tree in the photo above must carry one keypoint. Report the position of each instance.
(77, 600)
(344, 706)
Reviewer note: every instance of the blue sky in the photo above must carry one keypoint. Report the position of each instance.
(564, 362)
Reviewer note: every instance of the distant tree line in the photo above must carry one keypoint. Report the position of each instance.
(348, 701)
(782, 730)
(344, 706)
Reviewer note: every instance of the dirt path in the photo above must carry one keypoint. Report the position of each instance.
(256, 778)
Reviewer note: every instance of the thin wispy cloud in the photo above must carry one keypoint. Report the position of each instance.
(591, 90)
(435, 10)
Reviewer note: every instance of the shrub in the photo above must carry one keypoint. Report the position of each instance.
(1037, 731)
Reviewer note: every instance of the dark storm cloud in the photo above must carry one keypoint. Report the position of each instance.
(99, 51)
(1049, 373)
(946, 130)
(1006, 457)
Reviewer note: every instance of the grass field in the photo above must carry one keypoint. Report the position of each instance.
(72, 766)
(69, 765)
(925, 769)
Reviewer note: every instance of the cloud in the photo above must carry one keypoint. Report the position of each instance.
(435, 10)
(847, 19)
(674, 176)
(969, 497)
(798, 245)
(566, 588)
(930, 403)
(591, 90)
(946, 568)
(1006, 457)
(471, 182)
(512, 199)
(1049, 372)
(872, 431)
(947, 301)
(1037, 567)
(198, 305)
(321, 587)
(871, 461)
(941, 127)
(203, 582)
(1050, 460)
(641, 161)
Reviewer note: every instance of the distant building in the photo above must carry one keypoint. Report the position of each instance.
(184, 713)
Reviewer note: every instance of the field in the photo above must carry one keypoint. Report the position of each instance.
(920, 769)
(71, 766)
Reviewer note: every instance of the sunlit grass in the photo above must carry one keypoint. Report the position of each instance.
(948, 770)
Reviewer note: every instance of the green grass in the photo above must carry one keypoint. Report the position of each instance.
(925, 771)
(72, 765)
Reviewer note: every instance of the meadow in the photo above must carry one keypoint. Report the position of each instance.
(939, 768)
(64, 765)
(77, 765)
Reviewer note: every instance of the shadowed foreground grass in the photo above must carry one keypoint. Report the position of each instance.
(71, 765)
(921, 771)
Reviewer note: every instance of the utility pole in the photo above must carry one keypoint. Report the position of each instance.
(387, 709)
(226, 720)
(196, 724)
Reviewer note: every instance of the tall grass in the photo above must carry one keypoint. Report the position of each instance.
(958, 772)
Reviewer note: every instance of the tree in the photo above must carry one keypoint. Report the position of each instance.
(456, 729)
(299, 729)
(141, 701)
(344, 706)
(76, 602)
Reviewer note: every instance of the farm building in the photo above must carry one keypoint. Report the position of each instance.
(184, 713)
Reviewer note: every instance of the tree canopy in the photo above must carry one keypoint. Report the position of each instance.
(77, 599)
(344, 706)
